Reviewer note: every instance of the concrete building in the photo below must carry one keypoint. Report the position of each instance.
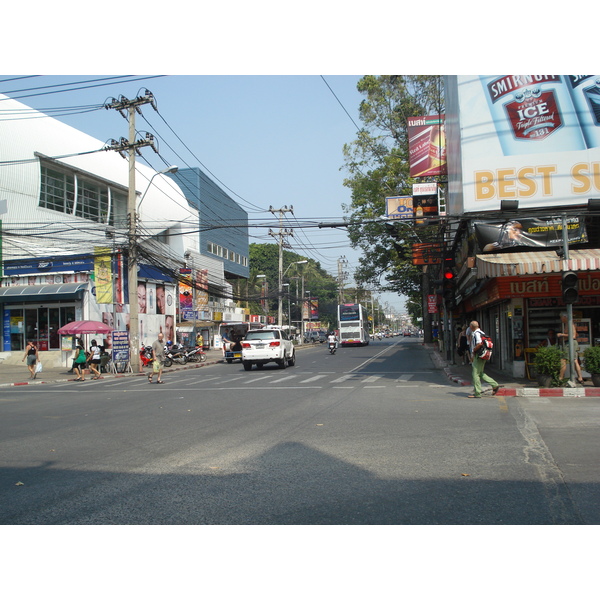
(65, 237)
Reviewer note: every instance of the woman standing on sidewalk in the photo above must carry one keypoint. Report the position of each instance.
(31, 354)
(95, 359)
(79, 362)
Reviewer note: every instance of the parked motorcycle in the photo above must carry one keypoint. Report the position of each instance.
(196, 354)
(176, 354)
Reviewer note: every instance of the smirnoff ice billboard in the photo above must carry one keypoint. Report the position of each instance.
(531, 138)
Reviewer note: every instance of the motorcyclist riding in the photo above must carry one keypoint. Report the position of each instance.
(332, 342)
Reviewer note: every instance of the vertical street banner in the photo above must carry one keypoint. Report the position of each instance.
(314, 309)
(310, 309)
(202, 290)
(432, 304)
(427, 145)
(103, 275)
(186, 296)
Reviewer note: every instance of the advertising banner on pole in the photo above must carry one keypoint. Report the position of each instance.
(427, 146)
(431, 304)
(103, 275)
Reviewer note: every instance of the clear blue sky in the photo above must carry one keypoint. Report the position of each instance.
(266, 140)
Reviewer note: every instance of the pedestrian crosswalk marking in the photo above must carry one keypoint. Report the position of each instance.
(348, 380)
(278, 381)
(312, 379)
(405, 377)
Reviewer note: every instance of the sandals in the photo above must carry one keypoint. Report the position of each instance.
(473, 396)
(149, 378)
(160, 381)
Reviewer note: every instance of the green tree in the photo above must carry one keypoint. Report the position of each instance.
(264, 260)
(378, 166)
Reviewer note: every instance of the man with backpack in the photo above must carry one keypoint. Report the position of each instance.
(478, 364)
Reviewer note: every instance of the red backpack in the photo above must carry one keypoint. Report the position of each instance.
(485, 352)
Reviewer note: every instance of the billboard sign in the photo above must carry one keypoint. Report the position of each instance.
(399, 207)
(531, 138)
(428, 253)
(537, 233)
(426, 145)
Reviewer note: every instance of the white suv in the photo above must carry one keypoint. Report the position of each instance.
(262, 346)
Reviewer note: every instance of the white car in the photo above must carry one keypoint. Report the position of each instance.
(263, 346)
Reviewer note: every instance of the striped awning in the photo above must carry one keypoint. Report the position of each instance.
(514, 264)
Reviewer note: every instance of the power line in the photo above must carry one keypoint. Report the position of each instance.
(80, 88)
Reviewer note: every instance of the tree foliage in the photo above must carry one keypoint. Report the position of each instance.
(378, 166)
(264, 260)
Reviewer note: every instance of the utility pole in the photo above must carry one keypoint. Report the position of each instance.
(128, 108)
(282, 234)
(342, 263)
(570, 324)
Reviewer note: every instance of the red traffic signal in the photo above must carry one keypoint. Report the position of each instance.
(448, 275)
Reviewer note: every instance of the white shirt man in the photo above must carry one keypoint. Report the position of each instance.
(478, 364)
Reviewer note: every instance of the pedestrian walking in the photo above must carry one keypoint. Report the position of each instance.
(79, 361)
(564, 338)
(32, 356)
(158, 356)
(478, 364)
(95, 359)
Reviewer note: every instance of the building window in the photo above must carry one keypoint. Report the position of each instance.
(96, 200)
(57, 192)
(92, 201)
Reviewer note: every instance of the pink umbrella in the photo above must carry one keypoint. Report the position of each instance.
(81, 327)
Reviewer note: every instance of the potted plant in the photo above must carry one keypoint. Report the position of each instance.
(547, 363)
(591, 362)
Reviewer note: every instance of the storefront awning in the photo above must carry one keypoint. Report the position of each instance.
(535, 263)
(42, 293)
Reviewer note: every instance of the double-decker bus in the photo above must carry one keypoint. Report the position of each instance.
(353, 322)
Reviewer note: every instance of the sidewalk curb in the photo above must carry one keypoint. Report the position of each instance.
(523, 392)
(111, 375)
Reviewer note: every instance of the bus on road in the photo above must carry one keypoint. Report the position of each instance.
(353, 323)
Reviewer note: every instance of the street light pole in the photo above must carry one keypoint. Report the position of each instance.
(132, 271)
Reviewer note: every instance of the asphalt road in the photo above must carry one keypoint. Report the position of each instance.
(373, 435)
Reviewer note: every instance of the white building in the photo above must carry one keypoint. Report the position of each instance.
(64, 229)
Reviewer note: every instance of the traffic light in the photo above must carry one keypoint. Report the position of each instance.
(449, 288)
(569, 287)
